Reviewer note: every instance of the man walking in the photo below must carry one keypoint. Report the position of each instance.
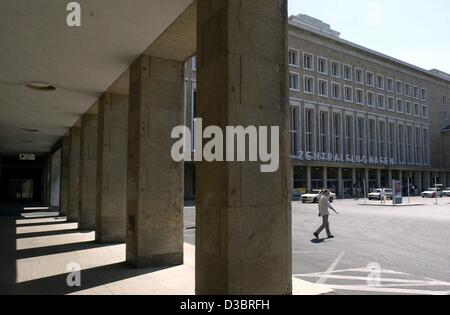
(324, 205)
(383, 196)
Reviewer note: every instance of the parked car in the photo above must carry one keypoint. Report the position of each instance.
(296, 195)
(314, 196)
(446, 192)
(376, 194)
(432, 192)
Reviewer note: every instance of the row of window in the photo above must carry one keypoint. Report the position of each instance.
(359, 96)
(332, 132)
(357, 75)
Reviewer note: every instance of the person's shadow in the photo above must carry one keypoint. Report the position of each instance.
(319, 240)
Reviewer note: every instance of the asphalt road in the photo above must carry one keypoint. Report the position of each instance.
(377, 249)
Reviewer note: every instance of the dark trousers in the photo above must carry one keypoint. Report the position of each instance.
(325, 226)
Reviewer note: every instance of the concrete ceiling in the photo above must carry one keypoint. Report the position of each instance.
(37, 45)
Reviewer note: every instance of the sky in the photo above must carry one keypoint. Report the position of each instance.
(414, 31)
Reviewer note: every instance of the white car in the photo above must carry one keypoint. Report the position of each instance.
(446, 192)
(432, 193)
(377, 193)
(314, 197)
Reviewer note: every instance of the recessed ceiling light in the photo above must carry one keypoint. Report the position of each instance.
(30, 130)
(40, 86)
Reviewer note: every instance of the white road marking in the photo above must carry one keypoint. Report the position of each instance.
(416, 282)
(361, 288)
(330, 269)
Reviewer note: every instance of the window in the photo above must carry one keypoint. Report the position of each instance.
(381, 101)
(323, 132)
(335, 69)
(337, 133)
(426, 147)
(369, 78)
(445, 116)
(424, 111)
(416, 110)
(407, 89)
(322, 65)
(348, 73)
(294, 84)
(400, 108)
(370, 99)
(416, 92)
(372, 138)
(348, 94)
(423, 94)
(408, 108)
(349, 135)
(390, 104)
(382, 138)
(308, 63)
(399, 87)
(309, 84)
(360, 96)
(309, 130)
(380, 82)
(409, 145)
(359, 76)
(401, 143)
(360, 131)
(336, 91)
(444, 100)
(295, 130)
(391, 143)
(323, 88)
(389, 84)
(418, 153)
(194, 63)
(293, 58)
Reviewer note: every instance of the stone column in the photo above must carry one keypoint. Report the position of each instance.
(353, 181)
(65, 171)
(426, 180)
(111, 208)
(366, 180)
(243, 236)
(74, 175)
(400, 176)
(88, 171)
(418, 181)
(325, 177)
(340, 185)
(390, 178)
(378, 177)
(155, 181)
(308, 178)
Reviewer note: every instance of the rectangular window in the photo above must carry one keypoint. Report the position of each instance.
(399, 87)
(369, 78)
(335, 69)
(370, 99)
(322, 65)
(416, 109)
(194, 63)
(323, 132)
(295, 130)
(390, 104)
(444, 100)
(407, 89)
(400, 108)
(408, 108)
(323, 88)
(337, 134)
(308, 84)
(382, 138)
(294, 84)
(336, 90)
(293, 58)
(349, 135)
(308, 63)
(423, 94)
(381, 101)
(309, 130)
(380, 82)
(348, 73)
(348, 94)
(360, 131)
(416, 92)
(426, 147)
(424, 111)
(391, 143)
(360, 96)
(401, 143)
(389, 84)
(372, 138)
(359, 76)
(418, 154)
(409, 145)
(445, 116)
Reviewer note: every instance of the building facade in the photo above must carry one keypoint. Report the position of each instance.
(359, 119)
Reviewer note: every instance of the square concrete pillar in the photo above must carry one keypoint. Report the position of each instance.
(325, 177)
(243, 235)
(155, 181)
(340, 185)
(308, 179)
(74, 175)
(418, 181)
(426, 180)
(390, 177)
(111, 208)
(65, 172)
(379, 177)
(88, 171)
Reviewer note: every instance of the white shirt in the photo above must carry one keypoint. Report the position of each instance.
(324, 205)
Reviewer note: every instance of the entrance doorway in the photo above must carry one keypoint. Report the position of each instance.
(21, 189)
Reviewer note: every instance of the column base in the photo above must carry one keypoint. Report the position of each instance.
(154, 261)
(86, 227)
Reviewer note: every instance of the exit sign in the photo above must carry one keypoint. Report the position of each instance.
(27, 157)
